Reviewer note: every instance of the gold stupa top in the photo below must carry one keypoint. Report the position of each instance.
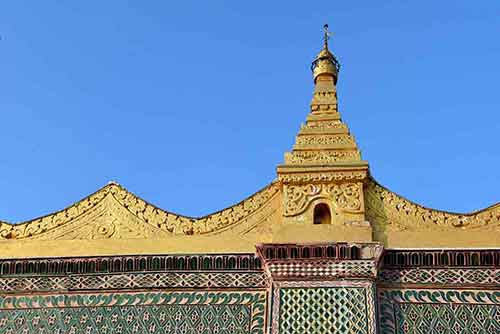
(325, 64)
(324, 141)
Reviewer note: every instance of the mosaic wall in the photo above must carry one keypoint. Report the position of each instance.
(152, 312)
(439, 291)
(318, 289)
(323, 307)
(439, 311)
(203, 280)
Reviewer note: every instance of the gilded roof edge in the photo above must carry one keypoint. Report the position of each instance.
(148, 213)
(387, 210)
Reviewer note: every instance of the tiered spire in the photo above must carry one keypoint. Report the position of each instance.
(324, 139)
(325, 165)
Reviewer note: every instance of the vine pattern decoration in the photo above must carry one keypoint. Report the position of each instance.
(388, 211)
(112, 208)
(346, 197)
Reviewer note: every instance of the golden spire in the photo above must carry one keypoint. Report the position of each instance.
(325, 65)
(324, 140)
(324, 165)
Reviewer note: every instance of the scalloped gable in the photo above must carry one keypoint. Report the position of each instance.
(113, 212)
(387, 210)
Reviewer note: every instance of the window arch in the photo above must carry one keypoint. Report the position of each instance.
(322, 214)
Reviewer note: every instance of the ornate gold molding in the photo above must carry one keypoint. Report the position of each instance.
(320, 157)
(325, 140)
(325, 125)
(389, 211)
(114, 212)
(321, 176)
(346, 197)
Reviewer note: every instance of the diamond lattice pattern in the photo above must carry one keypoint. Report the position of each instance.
(323, 310)
(185, 319)
(447, 318)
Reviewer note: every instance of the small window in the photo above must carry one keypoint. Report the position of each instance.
(322, 214)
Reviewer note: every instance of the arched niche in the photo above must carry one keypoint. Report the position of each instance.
(322, 214)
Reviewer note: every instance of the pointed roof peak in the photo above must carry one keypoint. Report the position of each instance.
(324, 141)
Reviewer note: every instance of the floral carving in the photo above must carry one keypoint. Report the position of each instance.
(325, 140)
(335, 124)
(387, 210)
(346, 197)
(104, 231)
(321, 157)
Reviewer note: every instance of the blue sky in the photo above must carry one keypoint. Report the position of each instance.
(191, 105)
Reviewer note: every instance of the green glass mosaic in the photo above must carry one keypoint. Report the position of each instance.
(439, 311)
(323, 310)
(187, 313)
(447, 319)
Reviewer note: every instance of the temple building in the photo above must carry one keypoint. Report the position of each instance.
(322, 249)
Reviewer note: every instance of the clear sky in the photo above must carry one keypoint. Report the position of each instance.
(191, 105)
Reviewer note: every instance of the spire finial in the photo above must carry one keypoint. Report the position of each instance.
(326, 36)
(325, 62)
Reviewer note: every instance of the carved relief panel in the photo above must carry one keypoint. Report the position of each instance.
(345, 201)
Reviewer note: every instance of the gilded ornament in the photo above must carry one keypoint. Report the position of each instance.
(387, 210)
(335, 124)
(323, 176)
(114, 201)
(345, 197)
(322, 157)
(324, 140)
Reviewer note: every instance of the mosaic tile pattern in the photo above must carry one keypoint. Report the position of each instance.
(135, 281)
(173, 312)
(483, 276)
(432, 318)
(323, 269)
(439, 311)
(319, 310)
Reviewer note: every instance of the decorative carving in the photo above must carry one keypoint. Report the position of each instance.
(332, 251)
(322, 261)
(324, 176)
(346, 197)
(323, 125)
(321, 157)
(448, 276)
(128, 264)
(325, 140)
(324, 105)
(323, 270)
(324, 98)
(444, 258)
(118, 281)
(113, 212)
(387, 210)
